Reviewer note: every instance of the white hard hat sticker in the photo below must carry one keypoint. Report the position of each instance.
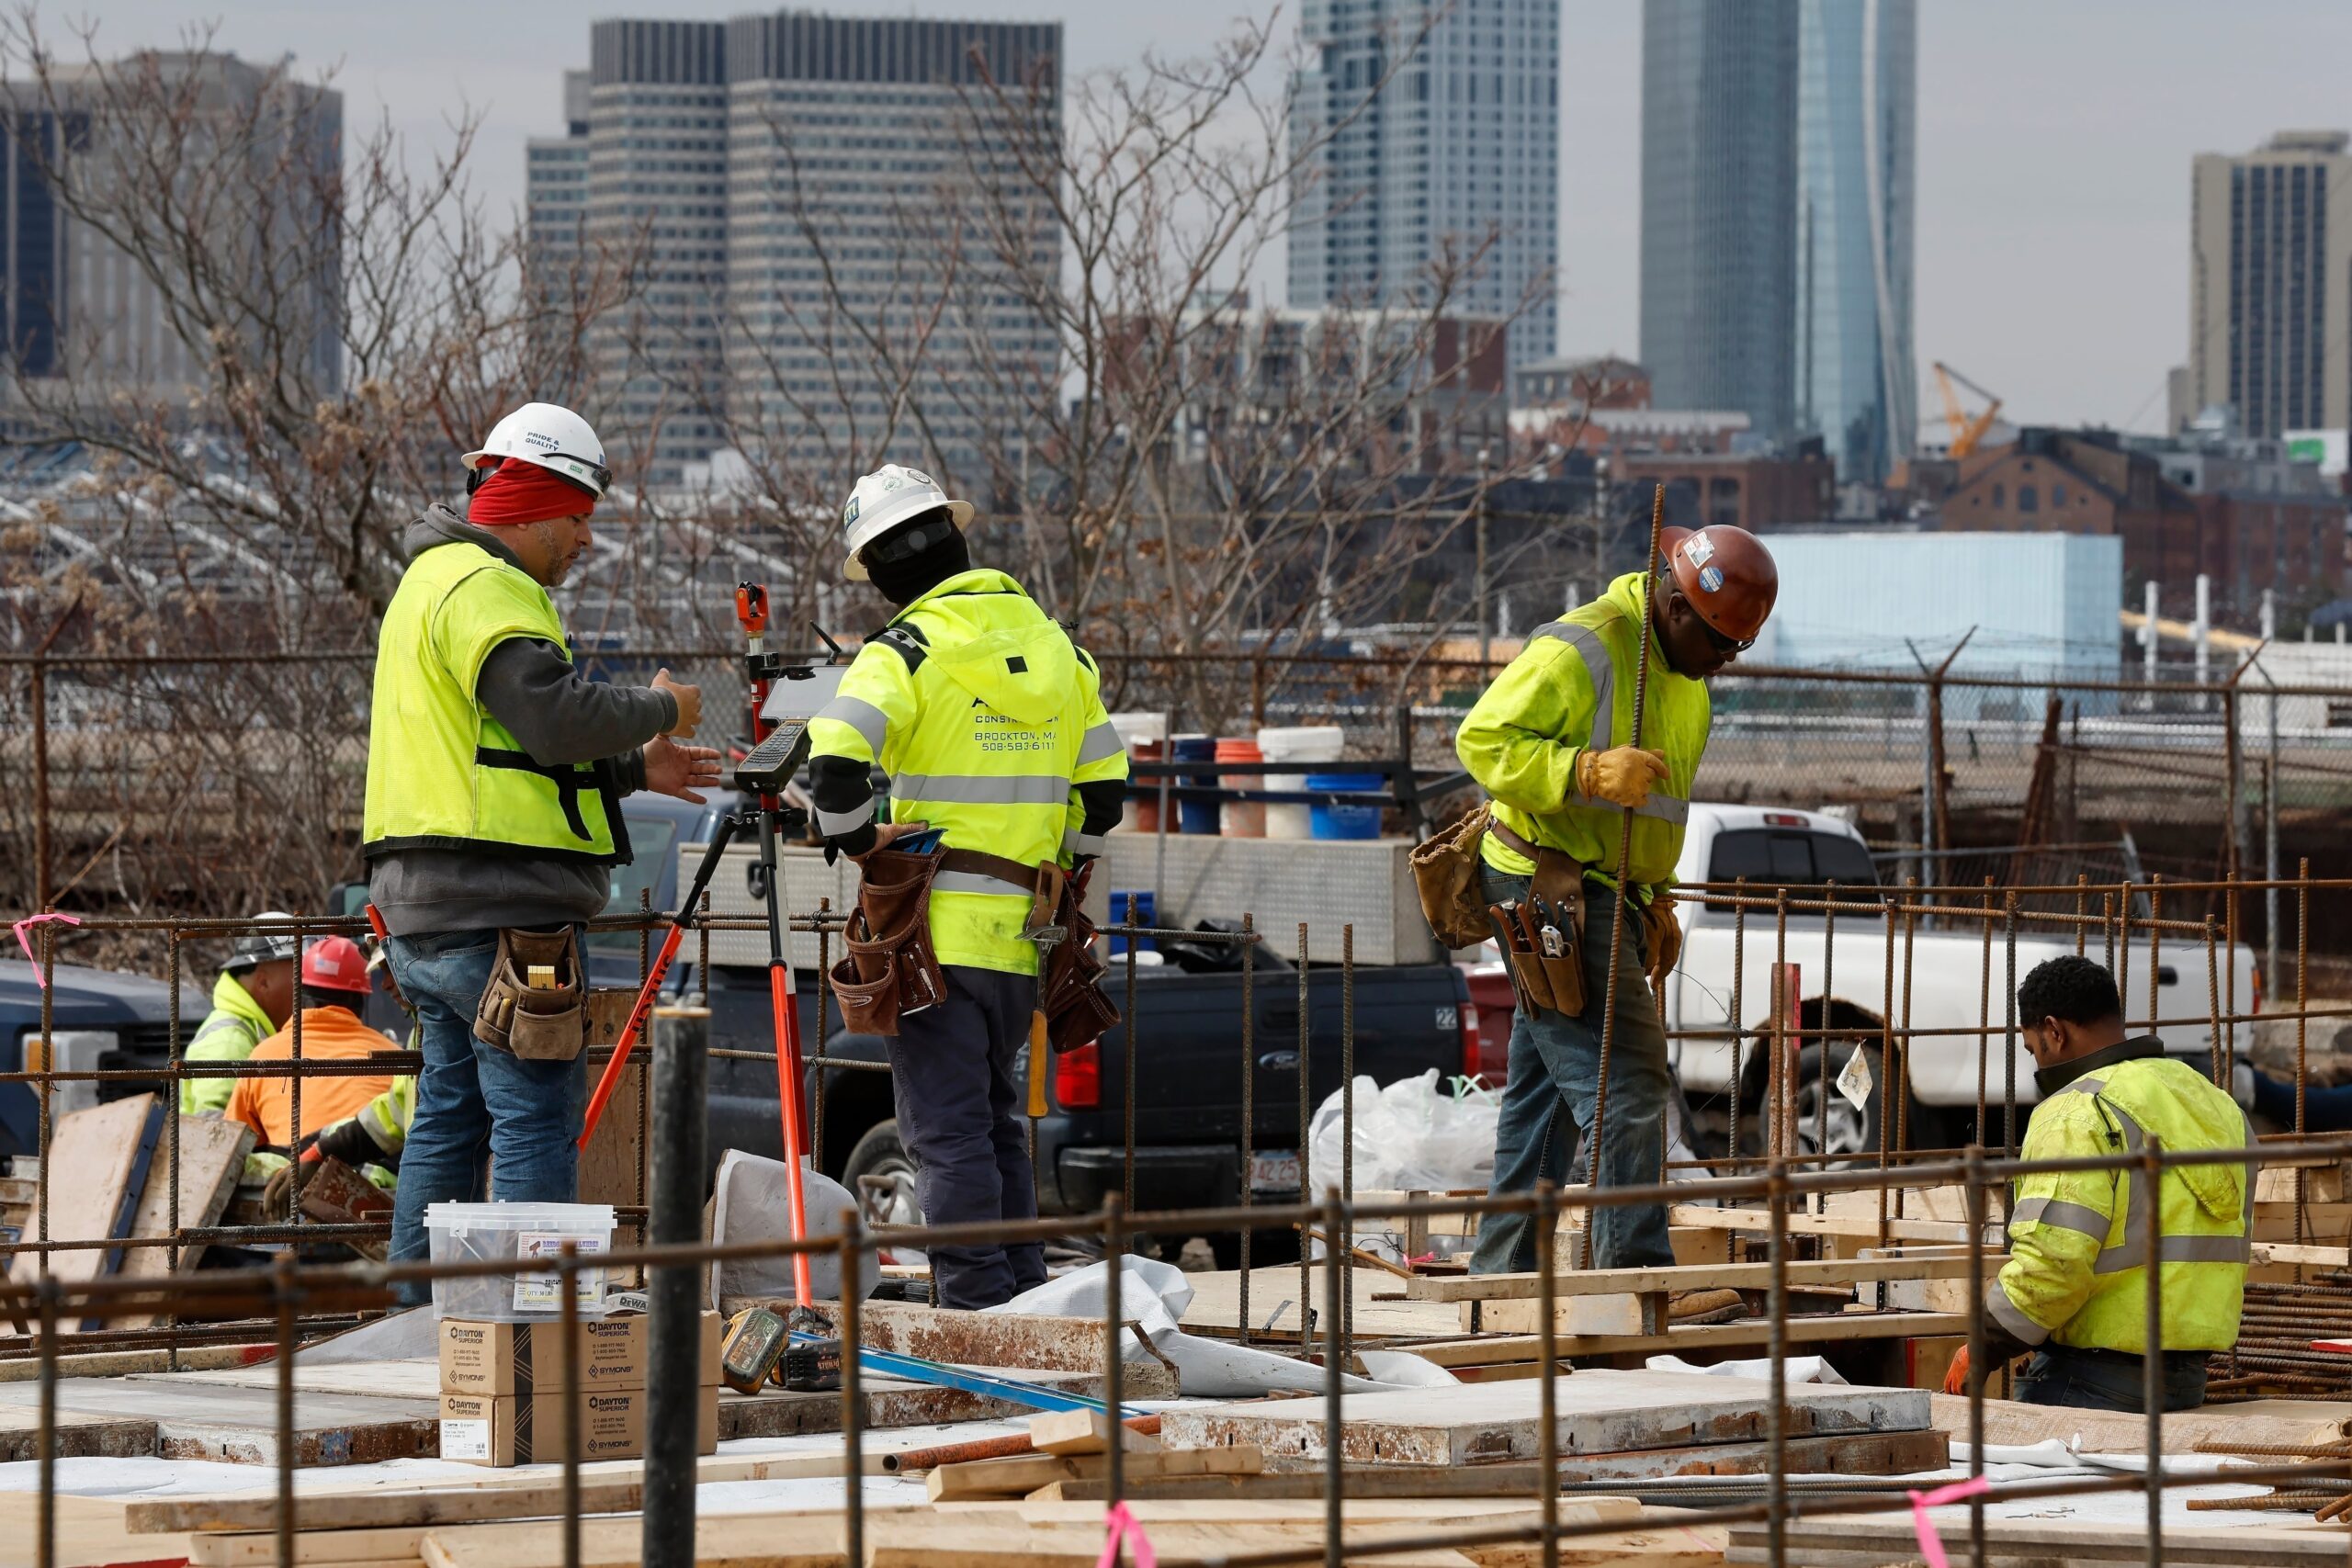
(1699, 549)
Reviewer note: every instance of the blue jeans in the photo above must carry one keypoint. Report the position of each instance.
(1556, 1068)
(2108, 1380)
(474, 1099)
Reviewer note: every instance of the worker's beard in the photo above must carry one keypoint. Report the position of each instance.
(903, 582)
(559, 547)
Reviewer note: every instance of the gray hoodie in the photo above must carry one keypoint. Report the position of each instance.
(556, 717)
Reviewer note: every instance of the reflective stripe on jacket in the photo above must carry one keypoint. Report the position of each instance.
(442, 772)
(1570, 688)
(2079, 1240)
(228, 1033)
(987, 718)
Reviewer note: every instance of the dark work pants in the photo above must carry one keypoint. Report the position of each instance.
(2107, 1380)
(961, 1116)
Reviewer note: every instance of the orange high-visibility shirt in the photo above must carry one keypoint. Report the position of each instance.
(328, 1033)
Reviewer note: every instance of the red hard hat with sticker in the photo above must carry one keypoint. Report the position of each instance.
(335, 964)
(1726, 574)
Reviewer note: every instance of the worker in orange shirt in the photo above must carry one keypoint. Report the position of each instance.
(335, 985)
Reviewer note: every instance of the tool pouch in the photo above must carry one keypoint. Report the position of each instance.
(1557, 984)
(539, 1024)
(1445, 874)
(890, 968)
(1069, 989)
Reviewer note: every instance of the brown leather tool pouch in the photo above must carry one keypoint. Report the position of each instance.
(1556, 983)
(1445, 874)
(890, 968)
(1070, 989)
(539, 1024)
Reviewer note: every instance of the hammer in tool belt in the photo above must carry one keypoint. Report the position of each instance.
(1042, 931)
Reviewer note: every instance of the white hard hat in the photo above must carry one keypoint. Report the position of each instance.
(255, 948)
(886, 498)
(555, 438)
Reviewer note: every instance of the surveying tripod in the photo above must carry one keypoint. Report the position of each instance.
(780, 744)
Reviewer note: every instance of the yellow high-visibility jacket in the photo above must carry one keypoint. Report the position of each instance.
(1572, 689)
(2079, 1240)
(988, 718)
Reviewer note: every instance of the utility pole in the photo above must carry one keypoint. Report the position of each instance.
(1485, 634)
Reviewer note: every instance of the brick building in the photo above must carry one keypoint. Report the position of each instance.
(1755, 492)
(2251, 523)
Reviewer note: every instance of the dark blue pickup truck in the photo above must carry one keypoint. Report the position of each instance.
(1189, 1064)
(99, 1020)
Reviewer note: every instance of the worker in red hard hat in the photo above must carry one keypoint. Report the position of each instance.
(1552, 741)
(335, 986)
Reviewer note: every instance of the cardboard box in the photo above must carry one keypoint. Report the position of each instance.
(506, 1429)
(523, 1358)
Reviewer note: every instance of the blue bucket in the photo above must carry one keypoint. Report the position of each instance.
(1195, 816)
(1131, 907)
(1345, 820)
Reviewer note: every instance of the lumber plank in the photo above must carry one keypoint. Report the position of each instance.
(212, 1156)
(1085, 1432)
(501, 1496)
(1019, 1475)
(342, 1548)
(1760, 1222)
(1366, 1482)
(97, 1146)
(907, 1541)
(1712, 1276)
(1510, 1335)
(2270, 1422)
(1892, 1538)
(729, 1541)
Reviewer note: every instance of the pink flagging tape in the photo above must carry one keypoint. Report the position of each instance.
(26, 941)
(1931, 1545)
(1125, 1525)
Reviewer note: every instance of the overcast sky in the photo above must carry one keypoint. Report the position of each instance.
(2055, 143)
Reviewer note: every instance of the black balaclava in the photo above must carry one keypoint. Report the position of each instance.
(904, 582)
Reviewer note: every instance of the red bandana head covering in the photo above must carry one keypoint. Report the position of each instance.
(525, 492)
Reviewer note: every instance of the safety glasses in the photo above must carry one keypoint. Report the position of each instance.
(1727, 647)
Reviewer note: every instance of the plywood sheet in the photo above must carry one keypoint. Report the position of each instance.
(95, 1148)
(1274, 1304)
(212, 1156)
(1597, 1412)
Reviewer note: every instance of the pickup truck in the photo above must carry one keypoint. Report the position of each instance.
(1188, 1060)
(1948, 991)
(99, 1020)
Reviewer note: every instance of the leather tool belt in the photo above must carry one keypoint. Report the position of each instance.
(539, 1024)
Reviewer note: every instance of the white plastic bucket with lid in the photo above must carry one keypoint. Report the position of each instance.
(1313, 743)
(465, 1233)
(1144, 735)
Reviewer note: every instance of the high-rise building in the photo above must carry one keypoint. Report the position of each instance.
(1857, 90)
(1460, 142)
(74, 304)
(765, 176)
(2270, 284)
(1719, 207)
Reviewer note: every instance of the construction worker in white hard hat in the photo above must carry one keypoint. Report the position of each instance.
(252, 997)
(987, 720)
(495, 772)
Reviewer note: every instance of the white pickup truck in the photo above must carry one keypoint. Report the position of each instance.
(1946, 965)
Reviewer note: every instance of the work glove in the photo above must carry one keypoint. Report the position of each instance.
(1664, 938)
(1956, 1376)
(1623, 775)
(2242, 1085)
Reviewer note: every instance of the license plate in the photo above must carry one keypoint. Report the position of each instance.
(1274, 1172)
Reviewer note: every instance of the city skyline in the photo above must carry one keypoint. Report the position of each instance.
(2054, 180)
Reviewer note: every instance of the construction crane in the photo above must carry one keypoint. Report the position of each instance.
(1966, 431)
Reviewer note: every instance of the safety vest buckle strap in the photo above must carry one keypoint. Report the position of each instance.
(568, 780)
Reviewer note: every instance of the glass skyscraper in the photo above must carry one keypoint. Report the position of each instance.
(1857, 89)
(1719, 208)
(1463, 141)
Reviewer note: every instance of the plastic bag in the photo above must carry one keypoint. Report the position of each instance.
(1415, 1134)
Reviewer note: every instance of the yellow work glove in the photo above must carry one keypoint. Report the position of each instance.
(1664, 934)
(1623, 775)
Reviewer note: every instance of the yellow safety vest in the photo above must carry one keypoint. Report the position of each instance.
(229, 1031)
(2079, 1240)
(986, 717)
(444, 774)
(1570, 689)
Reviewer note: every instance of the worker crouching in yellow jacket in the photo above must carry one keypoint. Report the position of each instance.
(2075, 1290)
